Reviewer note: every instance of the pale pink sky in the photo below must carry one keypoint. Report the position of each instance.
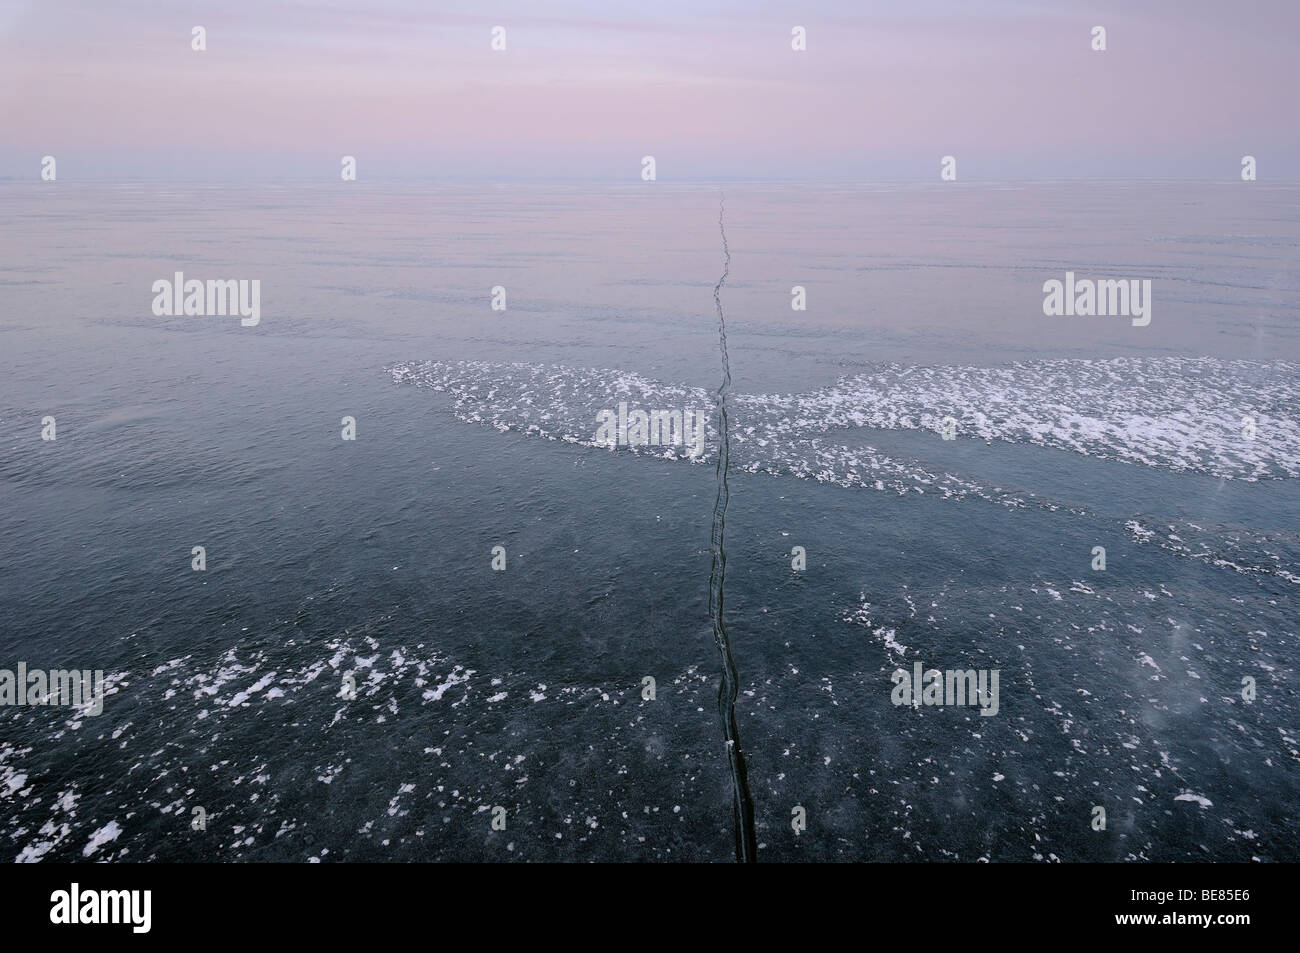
(584, 89)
